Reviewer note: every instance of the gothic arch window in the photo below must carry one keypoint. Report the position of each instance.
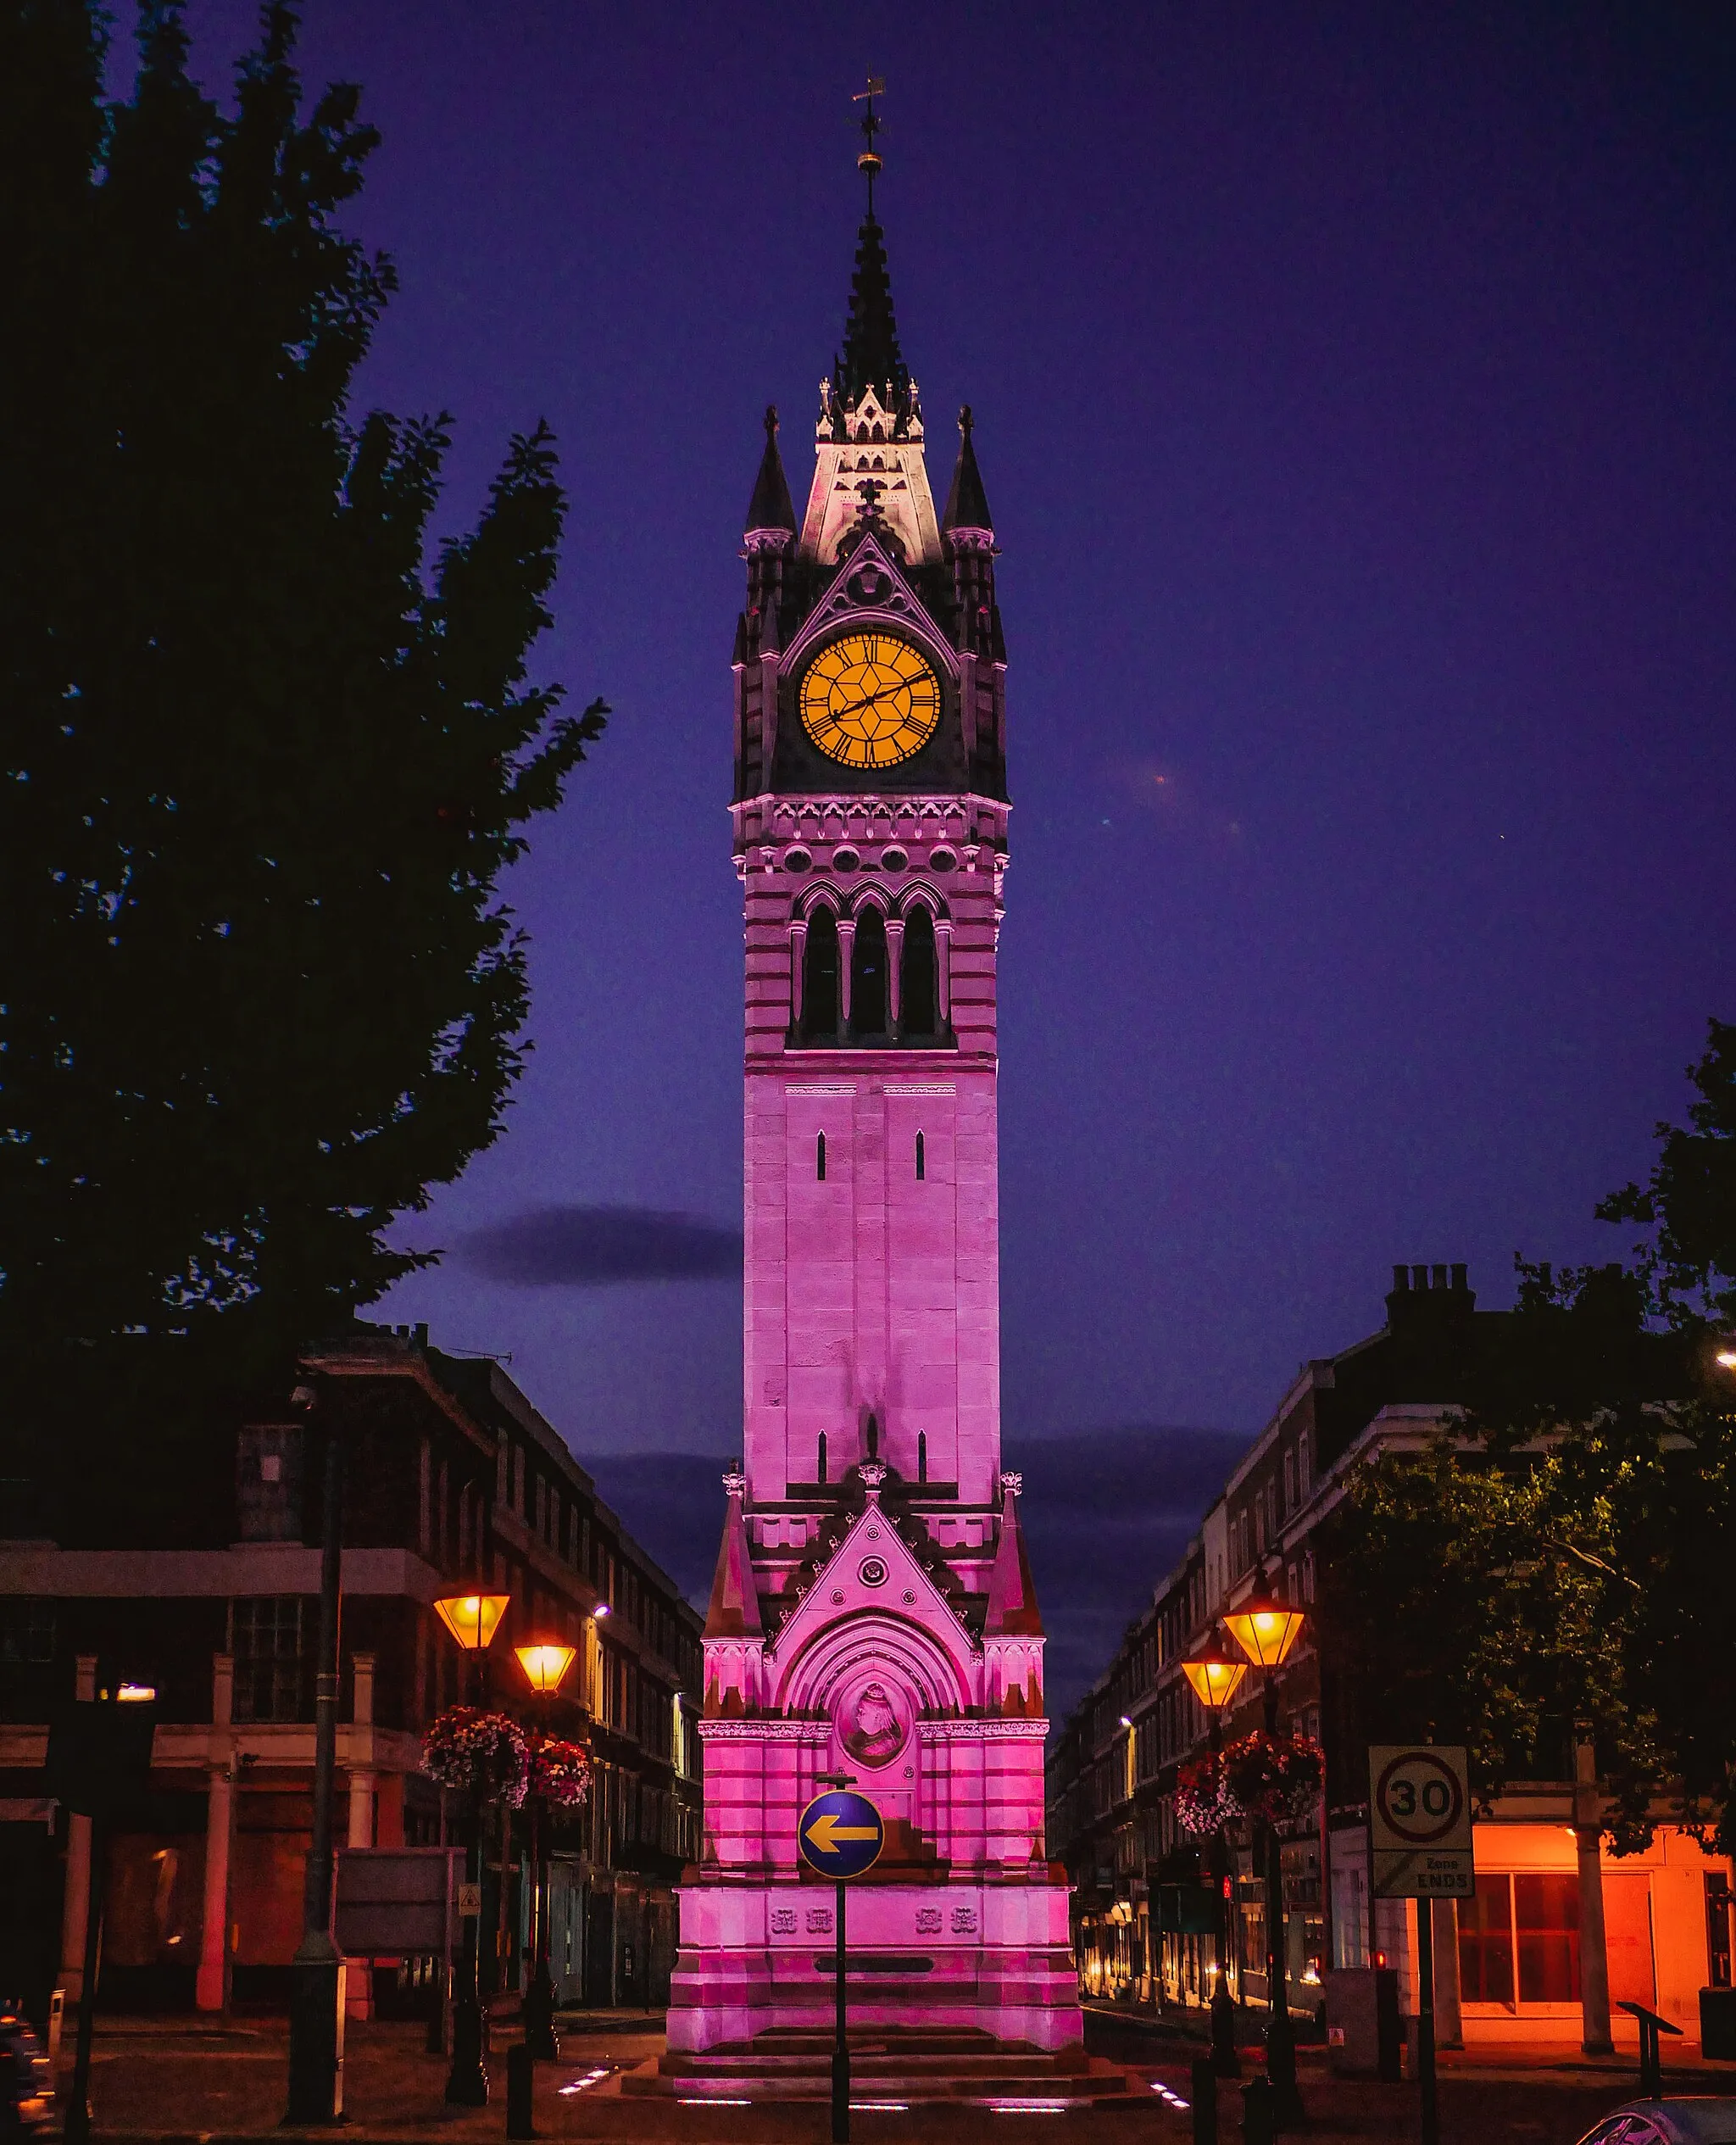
(873, 1437)
(921, 1158)
(921, 1455)
(868, 994)
(918, 1018)
(820, 1462)
(819, 997)
(819, 1158)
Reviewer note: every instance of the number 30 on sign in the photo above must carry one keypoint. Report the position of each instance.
(1419, 1822)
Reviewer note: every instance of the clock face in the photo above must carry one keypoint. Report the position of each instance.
(869, 700)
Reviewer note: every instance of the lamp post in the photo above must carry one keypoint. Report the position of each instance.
(472, 1620)
(1215, 1675)
(545, 1664)
(316, 2000)
(1266, 1629)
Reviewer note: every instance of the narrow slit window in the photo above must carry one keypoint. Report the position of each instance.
(819, 1158)
(921, 1158)
(921, 1435)
(819, 1464)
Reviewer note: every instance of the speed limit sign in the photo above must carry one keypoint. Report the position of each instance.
(1419, 1822)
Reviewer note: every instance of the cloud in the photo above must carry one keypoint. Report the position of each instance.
(591, 1247)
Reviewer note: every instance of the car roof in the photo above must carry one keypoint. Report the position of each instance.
(1702, 2118)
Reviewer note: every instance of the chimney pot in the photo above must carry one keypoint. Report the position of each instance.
(1401, 1279)
(1440, 1277)
(1460, 1279)
(1419, 1277)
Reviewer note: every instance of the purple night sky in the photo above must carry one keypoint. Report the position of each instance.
(1355, 395)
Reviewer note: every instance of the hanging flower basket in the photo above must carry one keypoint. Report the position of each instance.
(1203, 1800)
(483, 1752)
(1276, 1778)
(560, 1771)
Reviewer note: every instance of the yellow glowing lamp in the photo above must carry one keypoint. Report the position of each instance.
(1215, 1673)
(544, 1665)
(472, 1619)
(1265, 1628)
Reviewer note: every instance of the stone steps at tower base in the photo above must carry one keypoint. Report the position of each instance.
(914, 2068)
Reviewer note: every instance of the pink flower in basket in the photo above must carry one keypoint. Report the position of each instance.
(560, 1771)
(1204, 1802)
(485, 1753)
(1276, 1778)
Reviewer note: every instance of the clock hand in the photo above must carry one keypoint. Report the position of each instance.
(856, 707)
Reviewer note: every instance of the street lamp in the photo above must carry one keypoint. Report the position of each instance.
(1216, 1675)
(1266, 1629)
(472, 1619)
(317, 1994)
(544, 1663)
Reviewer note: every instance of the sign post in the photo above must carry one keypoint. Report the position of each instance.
(840, 1836)
(1419, 1832)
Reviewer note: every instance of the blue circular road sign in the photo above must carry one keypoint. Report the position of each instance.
(840, 1833)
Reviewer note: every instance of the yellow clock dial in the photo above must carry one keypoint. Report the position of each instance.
(869, 700)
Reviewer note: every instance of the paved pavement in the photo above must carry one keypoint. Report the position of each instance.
(163, 2080)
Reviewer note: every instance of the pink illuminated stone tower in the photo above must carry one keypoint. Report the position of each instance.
(873, 1610)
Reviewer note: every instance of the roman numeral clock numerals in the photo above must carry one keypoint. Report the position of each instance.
(869, 700)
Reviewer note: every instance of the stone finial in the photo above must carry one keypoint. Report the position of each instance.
(873, 1473)
(735, 1483)
(1012, 1484)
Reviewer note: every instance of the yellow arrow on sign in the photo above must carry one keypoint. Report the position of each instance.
(828, 1835)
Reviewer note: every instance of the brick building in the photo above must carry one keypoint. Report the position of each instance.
(1510, 1962)
(451, 1476)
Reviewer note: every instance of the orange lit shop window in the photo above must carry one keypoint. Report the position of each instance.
(1530, 1922)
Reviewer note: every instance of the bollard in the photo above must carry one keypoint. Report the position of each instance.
(521, 2077)
(1203, 2093)
(1257, 2127)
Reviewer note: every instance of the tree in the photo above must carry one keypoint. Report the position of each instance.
(1565, 1551)
(264, 758)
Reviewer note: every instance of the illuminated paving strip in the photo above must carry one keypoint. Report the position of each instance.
(590, 2078)
(879, 2107)
(705, 2100)
(1029, 2106)
(1163, 2092)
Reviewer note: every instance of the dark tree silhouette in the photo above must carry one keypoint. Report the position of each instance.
(263, 760)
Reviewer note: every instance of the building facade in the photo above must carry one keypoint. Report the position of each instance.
(452, 1478)
(873, 1610)
(1512, 1965)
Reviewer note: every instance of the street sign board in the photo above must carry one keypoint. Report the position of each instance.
(470, 1902)
(1419, 1821)
(840, 1833)
(394, 1901)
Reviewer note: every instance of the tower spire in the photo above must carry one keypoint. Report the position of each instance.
(871, 357)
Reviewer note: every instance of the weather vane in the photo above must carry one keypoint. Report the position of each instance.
(869, 161)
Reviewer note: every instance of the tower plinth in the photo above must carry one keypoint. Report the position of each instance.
(873, 1611)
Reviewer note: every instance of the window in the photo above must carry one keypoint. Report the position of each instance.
(921, 1455)
(820, 1474)
(918, 1019)
(1531, 1921)
(921, 1158)
(868, 976)
(268, 1482)
(873, 1437)
(819, 1158)
(820, 994)
(1717, 1928)
(266, 1638)
(26, 1631)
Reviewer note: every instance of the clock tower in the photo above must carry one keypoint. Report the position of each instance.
(873, 1611)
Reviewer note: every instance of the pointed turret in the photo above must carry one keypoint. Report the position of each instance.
(871, 357)
(771, 507)
(1012, 1597)
(734, 1612)
(966, 502)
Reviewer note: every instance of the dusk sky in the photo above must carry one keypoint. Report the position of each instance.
(1356, 396)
